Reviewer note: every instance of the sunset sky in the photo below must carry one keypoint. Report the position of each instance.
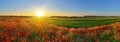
(60, 7)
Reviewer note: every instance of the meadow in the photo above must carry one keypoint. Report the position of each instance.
(80, 22)
(49, 29)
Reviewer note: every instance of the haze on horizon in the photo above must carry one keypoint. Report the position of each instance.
(60, 7)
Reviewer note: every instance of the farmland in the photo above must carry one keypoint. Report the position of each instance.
(49, 29)
(82, 22)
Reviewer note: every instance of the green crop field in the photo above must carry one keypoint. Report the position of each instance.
(82, 22)
(69, 22)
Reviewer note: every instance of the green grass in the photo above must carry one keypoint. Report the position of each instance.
(80, 22)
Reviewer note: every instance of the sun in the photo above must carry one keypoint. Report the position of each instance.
(39, 13)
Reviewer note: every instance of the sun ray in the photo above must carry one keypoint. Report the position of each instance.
(39, 13)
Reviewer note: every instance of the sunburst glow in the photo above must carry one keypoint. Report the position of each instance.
(39, 13)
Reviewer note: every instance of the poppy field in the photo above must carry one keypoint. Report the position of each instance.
(21, 29)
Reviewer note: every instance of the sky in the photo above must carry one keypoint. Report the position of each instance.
(60, 7)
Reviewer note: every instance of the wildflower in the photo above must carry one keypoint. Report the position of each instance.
(50, 31)
(65, 38)
(59, 33)
(36, 39)
(13, 38)
(56, 39)
(86, 35)
(72, 30)
(24, 33)
(46, 36)
(7, 39)
(19, 34)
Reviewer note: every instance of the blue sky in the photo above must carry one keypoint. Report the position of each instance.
(96, 7)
